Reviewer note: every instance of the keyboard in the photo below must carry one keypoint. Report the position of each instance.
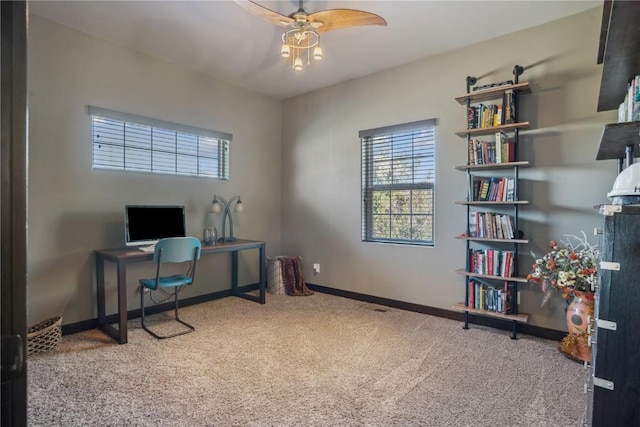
(150, 248)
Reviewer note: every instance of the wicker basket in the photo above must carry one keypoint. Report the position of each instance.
(275, 285)
(44, 336)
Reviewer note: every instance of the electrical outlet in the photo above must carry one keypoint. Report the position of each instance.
(316, 268)
(143, 290)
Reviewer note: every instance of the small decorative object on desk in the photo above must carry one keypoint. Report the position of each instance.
(209, 236)
(44, 336)
(571, 270)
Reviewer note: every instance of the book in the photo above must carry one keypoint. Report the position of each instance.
(507, 298)
(471, 158)
(473, 224)
(508, 107)
(500, 138)
(484, 190)
(472, 117)
(511, 190)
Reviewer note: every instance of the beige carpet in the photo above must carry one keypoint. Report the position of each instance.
(317, 360)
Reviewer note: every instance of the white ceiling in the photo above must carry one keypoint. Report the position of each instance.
(222, 40)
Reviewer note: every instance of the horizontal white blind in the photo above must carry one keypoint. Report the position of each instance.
(398, 181)
(129, 145)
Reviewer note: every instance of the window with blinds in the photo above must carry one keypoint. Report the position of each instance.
(127, 142)
(398, 183)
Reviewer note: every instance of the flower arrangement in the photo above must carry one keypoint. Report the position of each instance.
(569, 267)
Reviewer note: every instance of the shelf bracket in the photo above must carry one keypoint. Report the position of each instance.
(608, 265)
(606, 324)
(603, 383)
(470, 82)
(517, 71)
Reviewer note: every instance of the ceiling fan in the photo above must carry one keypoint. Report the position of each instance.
(302, 29)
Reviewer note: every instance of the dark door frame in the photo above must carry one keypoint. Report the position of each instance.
(13, 211)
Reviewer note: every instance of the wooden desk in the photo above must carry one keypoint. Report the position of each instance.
(122, 257)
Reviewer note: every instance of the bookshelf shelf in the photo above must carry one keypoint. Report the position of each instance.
(491, 93)
(616, 137)
(619, 51)
(486, 239)
(518, 279)
(521, 317)
(487, 294)
(492, 166)
(492, 130)
(480, 202)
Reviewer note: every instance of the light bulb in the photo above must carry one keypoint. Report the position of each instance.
(317, 53)
(297, 64)
(215, 207)
(285, 51)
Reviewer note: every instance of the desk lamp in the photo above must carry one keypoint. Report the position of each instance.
(216, 208)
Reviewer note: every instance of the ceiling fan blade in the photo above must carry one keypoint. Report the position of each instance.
(264, 13)
(335, 19)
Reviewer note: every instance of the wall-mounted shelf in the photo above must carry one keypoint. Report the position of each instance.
(492, 166)
(491, 260)
(464, 272)
(520, 317)
(619, 51)
(486, 239)
(492, 93)
(616, 137)
(490, 202)
(492, 130)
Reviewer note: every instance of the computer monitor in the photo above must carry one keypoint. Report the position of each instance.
(146, 224)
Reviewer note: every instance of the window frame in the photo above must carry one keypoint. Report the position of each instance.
(368, 187)
(159, 130)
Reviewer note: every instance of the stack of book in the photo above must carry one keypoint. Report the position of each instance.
(491, 262)
(501, 150)
(629, 110)
(493, 189)
(483, 296)
(490, 225)
(492, 115)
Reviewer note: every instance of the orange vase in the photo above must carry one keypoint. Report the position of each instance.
(579, 314)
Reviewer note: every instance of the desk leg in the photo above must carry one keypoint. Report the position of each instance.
(122, 303)
(102, 317)
(263, 277)
(263, 274)
(234, 273)
(120, 335)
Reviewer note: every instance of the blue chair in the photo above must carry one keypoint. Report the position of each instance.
(172, 250)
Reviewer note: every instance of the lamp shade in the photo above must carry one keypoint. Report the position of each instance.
(285, 51)
(317, 53)
(239, 206)
(215, 207)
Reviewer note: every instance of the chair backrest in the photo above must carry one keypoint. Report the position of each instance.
(177, 249)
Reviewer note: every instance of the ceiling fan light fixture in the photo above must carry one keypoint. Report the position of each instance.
(317, 53)
(285, 51)
(302, 29)
(300, 40)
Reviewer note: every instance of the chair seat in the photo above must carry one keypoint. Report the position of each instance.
(167, 282)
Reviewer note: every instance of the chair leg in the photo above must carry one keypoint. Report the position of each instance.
(161, 337)
(191, 328)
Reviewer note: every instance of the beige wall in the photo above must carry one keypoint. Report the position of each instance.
(74, 209)
(312, 181)
(321, 162)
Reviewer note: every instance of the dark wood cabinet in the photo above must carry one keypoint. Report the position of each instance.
(614, 383)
